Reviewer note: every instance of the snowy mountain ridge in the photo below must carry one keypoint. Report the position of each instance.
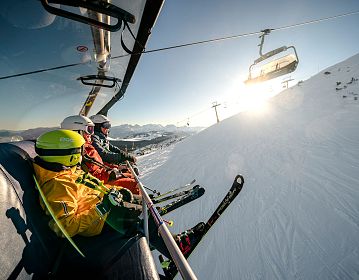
(116, 132)
(298, 214)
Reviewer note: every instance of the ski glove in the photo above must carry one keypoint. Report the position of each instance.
(115, 197)
(126, 195)
(135, 168)
(132, 158)
(125, 219)
(114, 174)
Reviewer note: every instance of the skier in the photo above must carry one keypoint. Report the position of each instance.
(109, 173)
(108, 152)
(79, 202)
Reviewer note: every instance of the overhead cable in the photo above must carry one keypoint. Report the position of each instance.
(191, 117)
(244, 34)
(191, 44)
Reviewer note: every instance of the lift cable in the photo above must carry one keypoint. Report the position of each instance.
(315, 21)
(196, 114)
(244, 34)
(190, 44)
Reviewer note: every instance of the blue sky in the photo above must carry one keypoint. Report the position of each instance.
(176, 86)
(179, 85)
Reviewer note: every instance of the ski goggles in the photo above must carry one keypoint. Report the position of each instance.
(106, 125)
(89, 129)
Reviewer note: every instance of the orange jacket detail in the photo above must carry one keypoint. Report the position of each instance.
(99, 172)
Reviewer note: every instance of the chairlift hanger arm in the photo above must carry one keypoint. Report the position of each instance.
(275, 68)
(101, 7)
(273, 52)
(264, 33)
(150, 14)
(90, 100)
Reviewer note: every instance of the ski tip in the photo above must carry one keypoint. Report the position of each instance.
(239, 179)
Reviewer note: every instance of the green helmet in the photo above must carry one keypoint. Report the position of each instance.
(61, 146)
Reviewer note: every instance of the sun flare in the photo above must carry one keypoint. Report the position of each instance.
(251, 98)
(255, 97)
(238, 97)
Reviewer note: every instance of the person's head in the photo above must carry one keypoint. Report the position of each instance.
(60, 146)
(81, 124)
(102, 123)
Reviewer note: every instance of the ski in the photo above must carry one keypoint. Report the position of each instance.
(192, 195)
(176, 189)
(168, 266)
(184, 197)
(171, 196)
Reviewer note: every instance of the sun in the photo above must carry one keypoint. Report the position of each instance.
(255, 97)
(238, 97)
(250, 98)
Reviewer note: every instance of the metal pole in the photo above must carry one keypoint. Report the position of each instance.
(264, 33)
(215, 104)
(181, 263)
(145, 220)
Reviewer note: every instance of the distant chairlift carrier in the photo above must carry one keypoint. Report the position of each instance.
(274, 68)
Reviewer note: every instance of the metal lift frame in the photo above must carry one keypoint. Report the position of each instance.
(278, 71)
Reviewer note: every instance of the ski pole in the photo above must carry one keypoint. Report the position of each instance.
(176, 254)
(57, 221)
(107, 168)
(169, 223)
(176, 189)
(154, 191)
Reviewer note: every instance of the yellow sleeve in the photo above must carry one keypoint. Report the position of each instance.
(63, 196)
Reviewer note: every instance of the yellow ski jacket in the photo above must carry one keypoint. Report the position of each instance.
(74, 204)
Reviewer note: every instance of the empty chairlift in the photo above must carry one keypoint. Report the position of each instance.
(272, 64)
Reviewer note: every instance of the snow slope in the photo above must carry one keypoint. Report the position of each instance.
(298, 214)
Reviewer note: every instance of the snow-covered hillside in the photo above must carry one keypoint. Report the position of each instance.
(298, 214)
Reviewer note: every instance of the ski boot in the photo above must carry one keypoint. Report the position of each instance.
(185, 240)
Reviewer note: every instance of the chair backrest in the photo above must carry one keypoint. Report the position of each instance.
(25, 235)
(27, 244)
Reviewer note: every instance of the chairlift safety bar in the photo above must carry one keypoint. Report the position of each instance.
(91, 80)
(177, 256)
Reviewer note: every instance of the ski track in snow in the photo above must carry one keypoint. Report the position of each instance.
(297, 216)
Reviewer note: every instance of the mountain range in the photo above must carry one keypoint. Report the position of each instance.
(116, 132)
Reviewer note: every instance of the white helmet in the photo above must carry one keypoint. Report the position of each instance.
(99, 119)
(78, 122)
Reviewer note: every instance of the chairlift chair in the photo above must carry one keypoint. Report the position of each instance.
(275, 68)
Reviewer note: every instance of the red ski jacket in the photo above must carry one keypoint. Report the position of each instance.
(127, 180)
